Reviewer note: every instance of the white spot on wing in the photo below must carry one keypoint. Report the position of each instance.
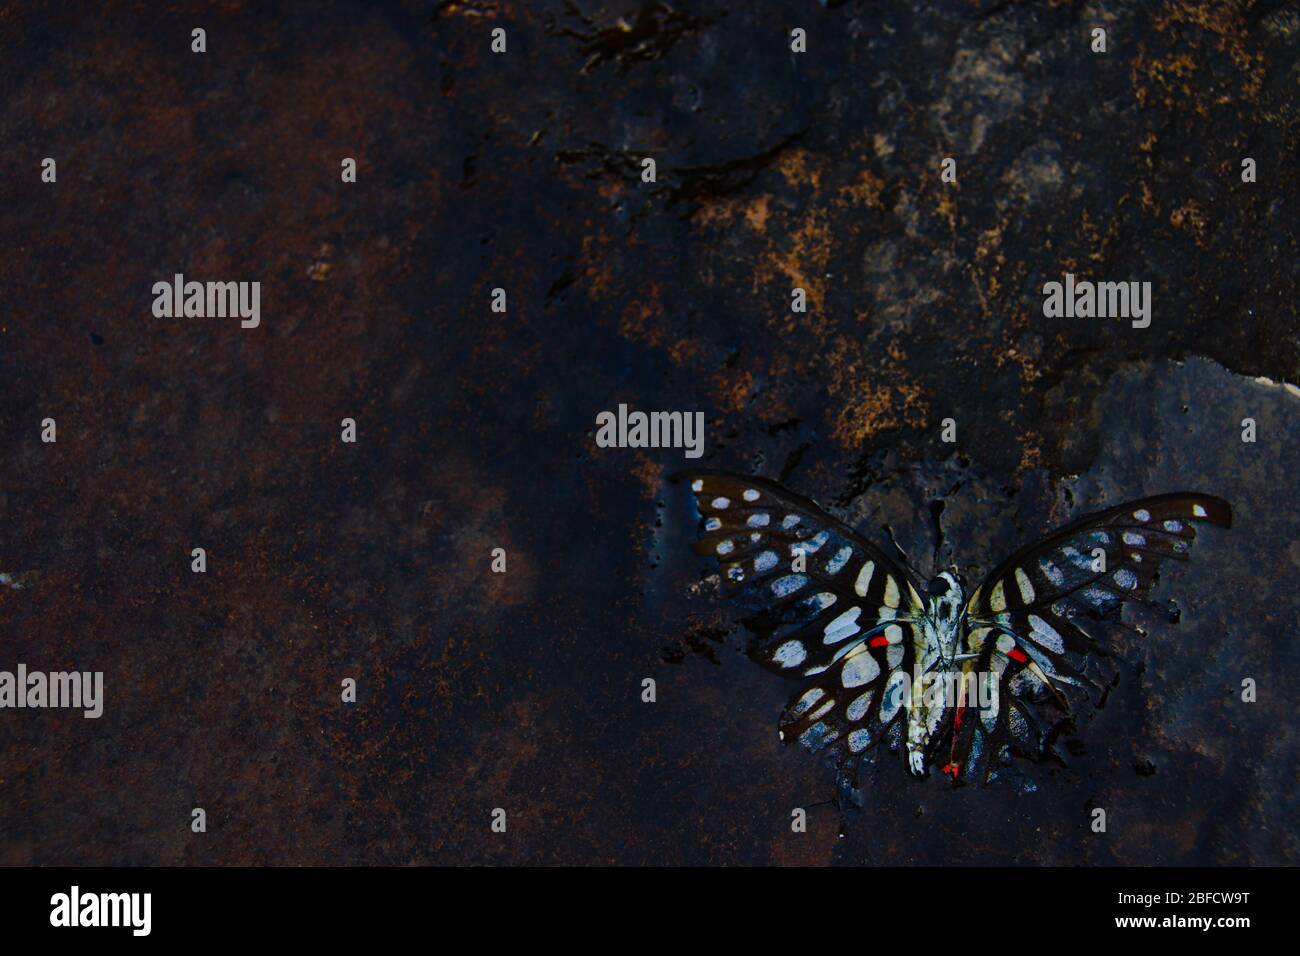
(1142, 514)
(750, 494)
(891, 591)
(726, 546)
(1046, 635)
(810, 697)
(864, 579)
(1198, 511)
(721, 503)
(816, 736)
(859, 669)
(846, 625)
(1052, 572)
(1026, 588)
(1173, 526)
(819, 602)
(858, 707)
(765, 561)
(815, 542)
(836, 564)
(997, 597)
(697, 484)
(789, 521)
(787, 585)
(895, 691)
(1134, 540)
(712, 524)
(758, 520)
(859, 740)
(1126, 579)
(821, 711)
(790, 654)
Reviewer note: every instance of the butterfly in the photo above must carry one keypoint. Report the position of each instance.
(945, 677)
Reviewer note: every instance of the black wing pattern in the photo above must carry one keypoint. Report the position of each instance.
(828, 606)
(1024, 623)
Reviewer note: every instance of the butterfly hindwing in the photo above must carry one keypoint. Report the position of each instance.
(851, 705)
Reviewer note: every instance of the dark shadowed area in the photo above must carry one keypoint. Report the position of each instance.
(522, 171)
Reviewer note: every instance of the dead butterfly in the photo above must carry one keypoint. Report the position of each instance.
(940, 675)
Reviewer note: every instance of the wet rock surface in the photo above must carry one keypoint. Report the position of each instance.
(522, 171)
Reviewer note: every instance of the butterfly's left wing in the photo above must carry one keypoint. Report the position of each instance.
(843, 615)
(1024, 621)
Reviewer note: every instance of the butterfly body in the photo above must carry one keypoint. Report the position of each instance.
(935, 672)
(938, 647)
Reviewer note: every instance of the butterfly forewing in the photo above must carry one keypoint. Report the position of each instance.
(816, 587)
(1025, 620)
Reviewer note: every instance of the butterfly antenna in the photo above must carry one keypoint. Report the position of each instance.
(897, 547)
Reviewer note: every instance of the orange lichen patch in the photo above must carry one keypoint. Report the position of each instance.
(610, 189)
(804, 262)
(717, 213)
(1031, 452)
(467, 8)
(687, 351)
(725, 213)
(797, 166)
(1029, 371)
(732, 389)
(869, 395)
(865, 190)
(1227, 20)
(643, 321)
(1171, 74)
(322, 264)
(1190, 218)
(947, 207)
(1149, 203)
(990, 241)
(756, 213)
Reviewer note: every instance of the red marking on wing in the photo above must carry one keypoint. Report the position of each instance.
(880, 641)
(1017, 655)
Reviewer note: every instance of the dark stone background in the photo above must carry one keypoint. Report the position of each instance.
(476, 430)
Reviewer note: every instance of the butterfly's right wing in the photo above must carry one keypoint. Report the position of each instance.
(1026, 621)
(844, 620)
